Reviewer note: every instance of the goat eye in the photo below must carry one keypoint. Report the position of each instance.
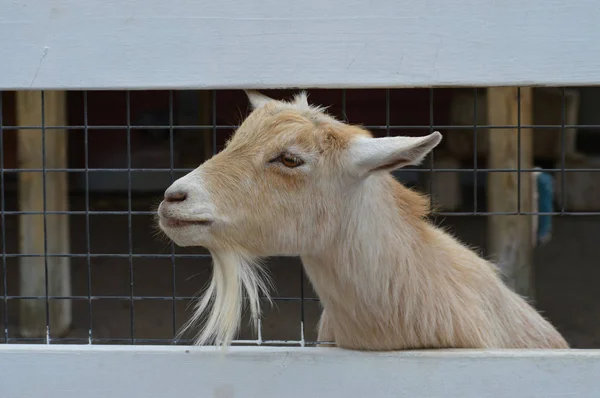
(290, 160)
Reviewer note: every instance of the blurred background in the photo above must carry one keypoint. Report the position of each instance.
(83, 172)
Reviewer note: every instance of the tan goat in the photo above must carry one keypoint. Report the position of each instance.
(295, 181)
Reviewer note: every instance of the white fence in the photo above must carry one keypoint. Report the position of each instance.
(159, 372)
(69, 44)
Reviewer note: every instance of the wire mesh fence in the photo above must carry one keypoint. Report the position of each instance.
(130, 287)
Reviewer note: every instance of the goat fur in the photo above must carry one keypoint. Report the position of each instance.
(387, 278)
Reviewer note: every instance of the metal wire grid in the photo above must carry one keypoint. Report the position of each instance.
(173, 256)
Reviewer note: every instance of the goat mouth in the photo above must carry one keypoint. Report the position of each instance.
(179, 223)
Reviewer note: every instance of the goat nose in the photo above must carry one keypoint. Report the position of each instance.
(177, 196)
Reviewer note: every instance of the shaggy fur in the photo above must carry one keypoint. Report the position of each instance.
(387, 278)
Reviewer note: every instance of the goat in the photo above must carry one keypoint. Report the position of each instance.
(295, 181)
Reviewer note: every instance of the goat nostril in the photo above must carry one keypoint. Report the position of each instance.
(175, 197)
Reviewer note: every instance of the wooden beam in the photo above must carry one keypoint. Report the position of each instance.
(547, 110)
(127, 371)
(510, 236)
(233, 44)
(31, 198)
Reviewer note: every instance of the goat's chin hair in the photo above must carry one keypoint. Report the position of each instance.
(233, 275)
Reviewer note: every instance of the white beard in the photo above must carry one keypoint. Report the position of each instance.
(233, 275)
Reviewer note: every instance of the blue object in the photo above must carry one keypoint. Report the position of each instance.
(545, 188)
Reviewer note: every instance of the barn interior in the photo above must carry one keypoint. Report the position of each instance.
(124, 148)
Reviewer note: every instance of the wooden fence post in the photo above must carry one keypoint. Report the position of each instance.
(510, 236)
(31, 198)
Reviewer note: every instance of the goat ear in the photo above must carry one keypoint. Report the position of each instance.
(369, 155)
(301, 99)
(257, 100)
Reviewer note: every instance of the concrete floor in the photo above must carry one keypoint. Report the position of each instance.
(567, 276)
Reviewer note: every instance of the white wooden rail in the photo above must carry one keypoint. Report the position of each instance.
(144, 44)
(262, 372)
(83, 44)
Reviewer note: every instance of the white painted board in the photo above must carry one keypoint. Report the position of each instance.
(37, 371)
(143, 44)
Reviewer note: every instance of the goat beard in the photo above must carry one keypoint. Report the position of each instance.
(233, 275)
